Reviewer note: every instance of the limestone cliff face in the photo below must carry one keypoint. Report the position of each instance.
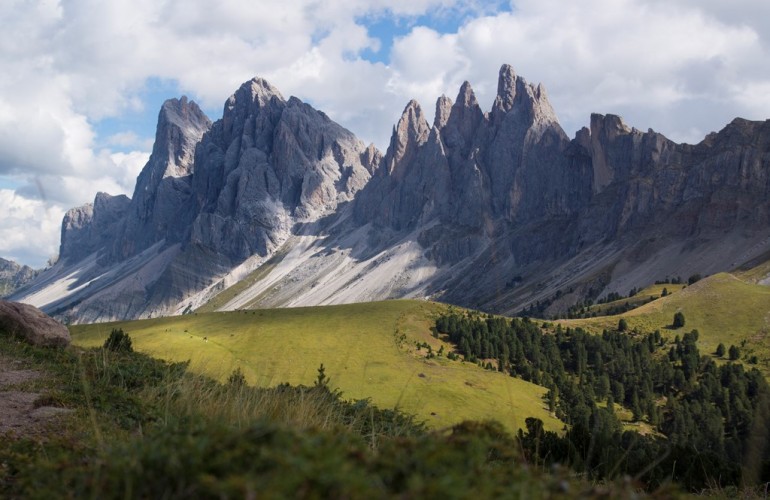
(506, 191)
(493, 209)
(210, 196)
(268, 163)
(647, 181)
(476, 173)
(14, 276)
(159, 208)
(92, 227)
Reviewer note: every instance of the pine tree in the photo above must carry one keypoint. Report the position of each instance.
(322, 380)
(678, 320)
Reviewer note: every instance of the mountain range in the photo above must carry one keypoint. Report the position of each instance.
(275, 204)
(14, 276)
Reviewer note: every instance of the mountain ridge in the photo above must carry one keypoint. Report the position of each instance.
(14, 276)
(498, 209)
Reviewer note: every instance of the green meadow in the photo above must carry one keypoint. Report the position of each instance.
(723, 308)
(643, 296)
(368, 351)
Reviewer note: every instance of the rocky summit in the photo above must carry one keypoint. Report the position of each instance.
(14, 276)
(494, 209)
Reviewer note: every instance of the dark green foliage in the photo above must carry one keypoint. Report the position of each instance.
(206, 460)
(322, 380)
(118, 341)
(664, 293)
(678, 320)
(622, 325)
(734, 353)
(693, 279)
(720, 350)
(708, 414)
(237, 378)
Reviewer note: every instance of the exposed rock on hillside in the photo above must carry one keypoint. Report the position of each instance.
(14, 276)
(266, 164)
(92, 227)
(32, 325)
(497, 209)
(210, 196)
(159, 209)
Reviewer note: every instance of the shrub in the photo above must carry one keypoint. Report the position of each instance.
(622, 325)
(118, 341)
(322, 380)
(237, 378)
(678, 320)
(734, 353)
(720, 350)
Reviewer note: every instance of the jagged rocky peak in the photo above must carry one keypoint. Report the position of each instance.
(506, 88)
(605, 129)
(464, 118)
(256, 98)
(515, 95)
(14, 276)
(90, 227)
(443, 110)
(256, 93)
(410, 132)
(163, 184)
(181, 124)
(466, 98)
(608, 125)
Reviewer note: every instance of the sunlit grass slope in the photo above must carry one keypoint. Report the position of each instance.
(723, 308)
(368, 351)
(640, 298)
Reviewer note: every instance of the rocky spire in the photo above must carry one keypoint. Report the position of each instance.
(506, 89)
(164, 181)
(464, 119)
(529, 102)
(443, 110)
(181, 124)
(410, 133)
(255, 97)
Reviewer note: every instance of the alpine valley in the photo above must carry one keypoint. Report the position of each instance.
(276, 205)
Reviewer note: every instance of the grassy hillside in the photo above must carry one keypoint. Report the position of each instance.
(368, 351)
(641, 297)
(132, 426)
(723, 308)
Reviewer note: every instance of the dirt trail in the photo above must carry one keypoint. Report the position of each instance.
(21, 415)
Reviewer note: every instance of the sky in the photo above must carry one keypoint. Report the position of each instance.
(82, 81)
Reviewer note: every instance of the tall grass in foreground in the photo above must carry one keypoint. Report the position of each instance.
(149, 429)
(238, 406)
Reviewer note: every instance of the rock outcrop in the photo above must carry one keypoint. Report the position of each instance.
(33, 325)
(266, 164)
(92, 227)
(14, 276)
(159, 209)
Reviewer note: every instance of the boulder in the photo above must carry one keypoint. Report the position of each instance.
(32, 324)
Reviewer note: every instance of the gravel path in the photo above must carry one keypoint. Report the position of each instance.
(20, 416)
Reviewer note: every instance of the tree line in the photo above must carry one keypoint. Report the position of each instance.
(703, 415)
